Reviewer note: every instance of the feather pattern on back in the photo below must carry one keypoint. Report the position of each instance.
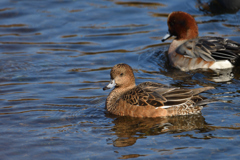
(210, 49)
(159, 95)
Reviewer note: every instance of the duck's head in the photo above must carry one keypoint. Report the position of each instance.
(121, 76)
(182, 25)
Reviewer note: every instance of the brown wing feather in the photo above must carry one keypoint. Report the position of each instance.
(154, 94)
(142, 97)
(178, 96)
(159, 95)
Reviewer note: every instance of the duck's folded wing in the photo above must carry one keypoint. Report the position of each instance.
(210, 49)
(163, 97)
(152, 85)
(177, 97)
(142, 97)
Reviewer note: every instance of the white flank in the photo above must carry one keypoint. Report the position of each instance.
(221, 65)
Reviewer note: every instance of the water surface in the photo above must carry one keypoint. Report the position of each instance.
(55, 58)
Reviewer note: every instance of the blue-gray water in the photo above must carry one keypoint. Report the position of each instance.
(55, 58)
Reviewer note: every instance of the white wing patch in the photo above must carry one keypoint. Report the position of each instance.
(222, 65)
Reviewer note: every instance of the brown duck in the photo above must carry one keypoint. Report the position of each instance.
(149, 99)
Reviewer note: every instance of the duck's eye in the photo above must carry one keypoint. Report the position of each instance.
(121, 74)
(183, 23)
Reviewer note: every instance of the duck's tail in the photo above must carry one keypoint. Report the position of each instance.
(206, 101)
(199, 90)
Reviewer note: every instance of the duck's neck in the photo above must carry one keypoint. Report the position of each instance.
(113, 97)
(173, 46)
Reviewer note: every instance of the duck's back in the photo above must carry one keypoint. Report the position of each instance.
(204, 52)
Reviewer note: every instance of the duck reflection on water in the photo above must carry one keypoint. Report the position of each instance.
(129, 129)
